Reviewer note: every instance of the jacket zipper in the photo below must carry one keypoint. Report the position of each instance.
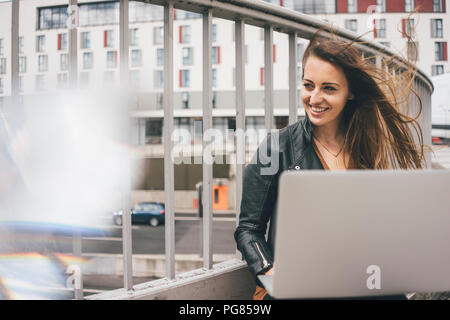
(265, 262)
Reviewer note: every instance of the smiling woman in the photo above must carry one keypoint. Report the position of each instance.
(353, 121)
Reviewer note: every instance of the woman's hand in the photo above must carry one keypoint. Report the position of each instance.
(269, 272)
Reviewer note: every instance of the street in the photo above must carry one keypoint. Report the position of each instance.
(150, 240)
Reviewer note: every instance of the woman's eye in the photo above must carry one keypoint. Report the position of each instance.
(330, 88)
(307, 85)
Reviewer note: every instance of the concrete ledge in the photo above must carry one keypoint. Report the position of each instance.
(151, 265)
(226, 280)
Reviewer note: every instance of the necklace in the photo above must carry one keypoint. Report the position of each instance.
(335, 156)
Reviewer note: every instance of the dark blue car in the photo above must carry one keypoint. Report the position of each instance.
(144, 213)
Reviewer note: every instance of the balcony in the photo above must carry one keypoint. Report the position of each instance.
(229, 279)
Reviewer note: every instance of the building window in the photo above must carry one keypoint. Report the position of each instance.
(436, 28)
(216, 55)
(160, 100)
(159, 56)
(380, 28)
(159, 78)
(1, 86)
(62, 41)
(437, 6)
(134, 39)
(437, 70)
(53, 18)
(63, 80)
(136, 58)
(351, 24)
(85, 40)
(111, 59)
(184, 34)
(105, 13)
(185, 78)
(413, 51)
(108, 38)
(312, 6)
(88, 60)
(158, 35)
(185, 97)
(43, 63)
(2, 65)
(408, 28)
(135, 79)
(22, 64)
(386, 44)
(21, 45)
(352, 6)
(21, 84)
(40, 82)
(409, 5)
(440, 51)
(63, 62)
(2, 48)
(187, 56)
(214, 77)
(214, 32)
(40, 43)
(381, 5)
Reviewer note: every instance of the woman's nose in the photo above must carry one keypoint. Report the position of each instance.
(316, 97)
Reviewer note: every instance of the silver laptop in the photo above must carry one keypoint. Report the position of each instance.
(361, 233)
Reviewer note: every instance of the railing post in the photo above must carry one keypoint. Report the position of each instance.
(126, 216)
(73, 43)
(293, 83)
(15, 4)
(169, 185)
(240, 115)
(268, 76)
(207, 126)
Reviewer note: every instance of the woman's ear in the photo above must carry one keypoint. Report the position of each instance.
(351, 96)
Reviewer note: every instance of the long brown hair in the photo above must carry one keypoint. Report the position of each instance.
(377, 135)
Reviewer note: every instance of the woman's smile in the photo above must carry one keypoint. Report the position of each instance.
(317, 111)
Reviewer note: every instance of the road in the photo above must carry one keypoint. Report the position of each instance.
(150, 240)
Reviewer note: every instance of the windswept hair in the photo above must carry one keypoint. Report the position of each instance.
(377, 134)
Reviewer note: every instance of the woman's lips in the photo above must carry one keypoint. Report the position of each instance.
(317, 111)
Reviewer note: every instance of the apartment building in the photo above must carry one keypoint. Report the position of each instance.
(43, 61)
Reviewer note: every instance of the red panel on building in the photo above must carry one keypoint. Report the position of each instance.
(443, 6)
(342, 6)
(218, 55)
(105, 38)
(274, 53)
(395, 6)
(445, 51)
(424, 5)
(261, 76)
(59, 41)
(364, 4)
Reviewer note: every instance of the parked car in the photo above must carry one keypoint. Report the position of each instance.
(143, 213)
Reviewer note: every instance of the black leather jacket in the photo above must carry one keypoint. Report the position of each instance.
(294, 152)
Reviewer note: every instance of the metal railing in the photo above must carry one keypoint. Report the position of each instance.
(243, 12)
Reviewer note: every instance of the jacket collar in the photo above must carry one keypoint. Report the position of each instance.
(304, 155)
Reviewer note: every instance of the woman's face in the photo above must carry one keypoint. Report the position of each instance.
(324, 92)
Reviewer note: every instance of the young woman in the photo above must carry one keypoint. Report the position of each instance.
(352, 122)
